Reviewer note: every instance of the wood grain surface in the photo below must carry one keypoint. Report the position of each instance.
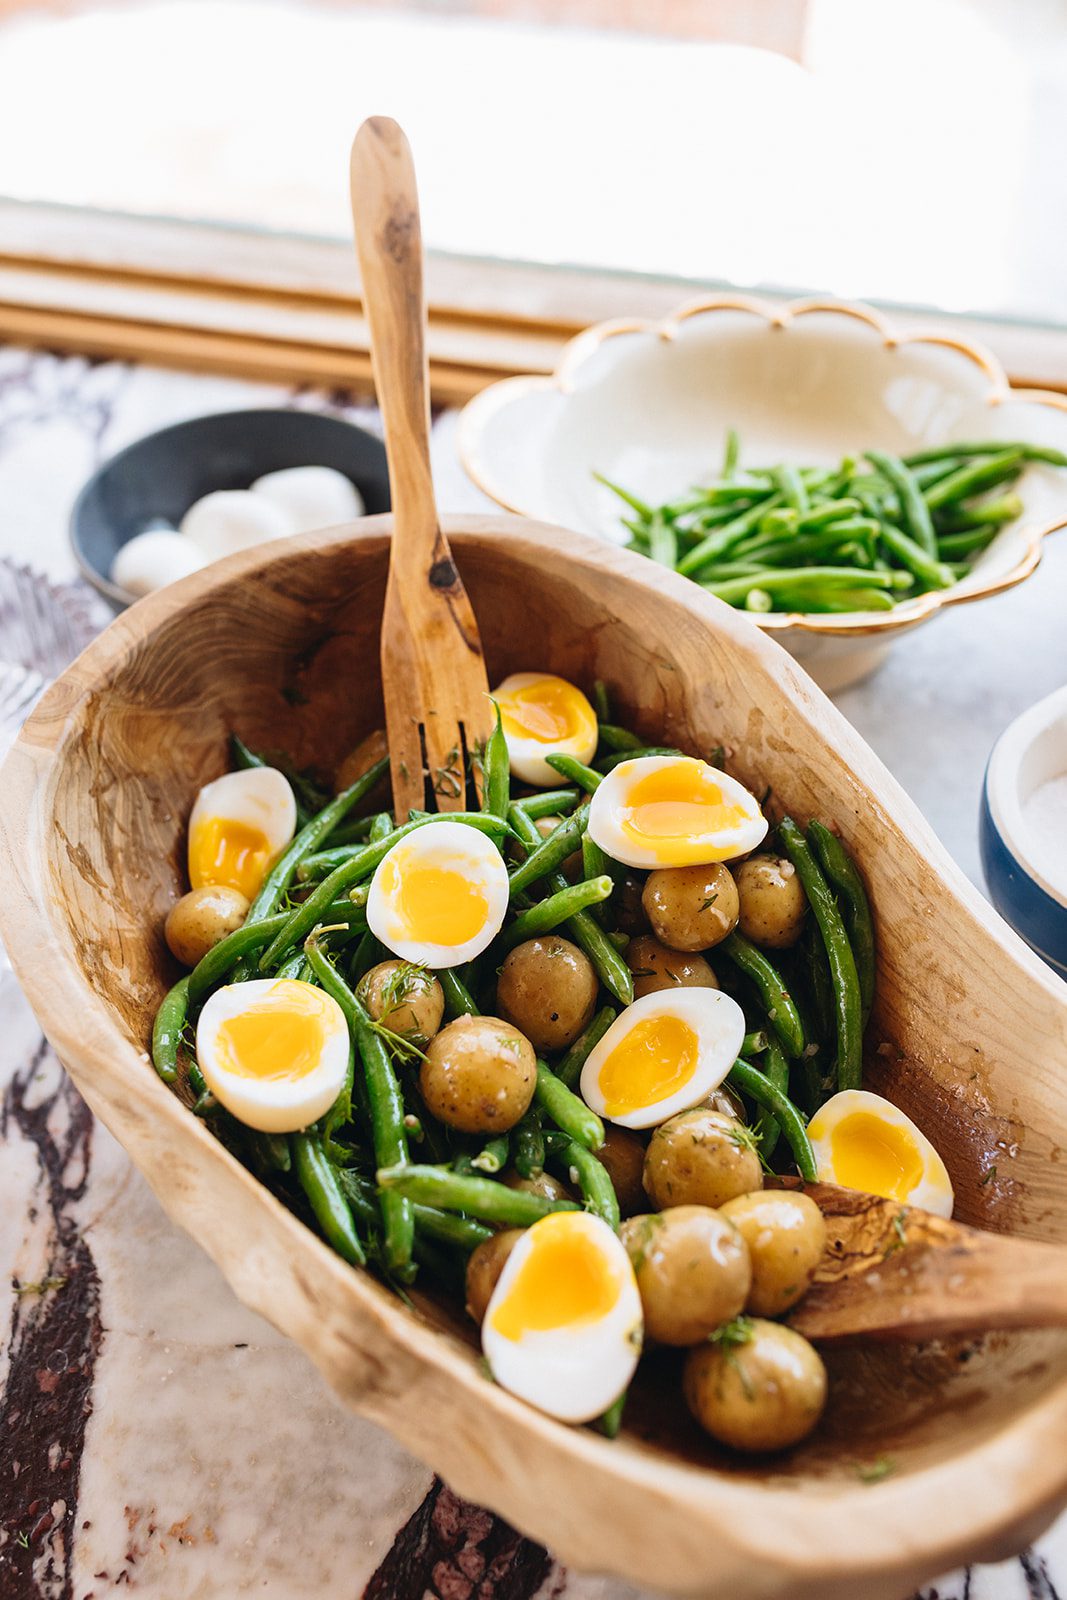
(969, 1035)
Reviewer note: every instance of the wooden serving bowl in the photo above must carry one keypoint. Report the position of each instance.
(969, 1035)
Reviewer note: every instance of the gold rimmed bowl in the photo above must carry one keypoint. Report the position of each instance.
(648, 405)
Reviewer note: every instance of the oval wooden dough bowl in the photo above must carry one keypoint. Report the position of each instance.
(928, 1455)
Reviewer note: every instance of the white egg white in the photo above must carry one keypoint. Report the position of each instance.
(233, 519)
(932, 1193)
(311, 497)
(273, 1105)
(259, 797)
(609, 805)
(454, 847)
(152, 559)
(527, 755)
(573, 1373)
(719, 1025)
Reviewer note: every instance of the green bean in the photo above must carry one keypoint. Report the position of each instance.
(309, 838)
(570, 1114)
(557, 908)
(582, 927)
(813, 955)
(848, 1005)
(731, 453)
(799, 578)
(549, 803)
(608, 764)
(968, 480)
(914, 509)
(776, 1068)
(789, 483)
(458, 999)
(167, 1030)
(643, 510)
(662, 541)
(774, 996)
(601, 700)
(993, 513)
(610, 1423)
(759, 1087)
(295, 969)
(381, 827)
(551, 852)
(569, 1069)
(576, 771)
(617, 738)
(591, 1176)
(934, 574)
(353, 832)
(483, 1198)
(967, 542)
(496, 771)
(990, 447)
(271, 1150)
(722, 540)
(529, 1144)
(595, 863)
(354, 867)
(319, 1181)
(842, 874)
(754, 1044)
(252, 936)
(493, 1156)
(383, 836)
(448, 1228)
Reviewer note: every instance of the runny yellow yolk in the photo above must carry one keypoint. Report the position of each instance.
(564, 1282)
(281, 1037)
(436, 904)
(223, 851)
(670, 808)
(548, 711)
(875, 1156)
(655, 1059)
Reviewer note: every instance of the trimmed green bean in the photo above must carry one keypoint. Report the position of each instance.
(788, 482)
(931, 572)
(776, 1069)
(319, 1181)
(167, 1030)
(448, 1228)
(496, 771)
(483, 1198)
(723, 539)
(576, 771)
(759, 1087)
(493, 1156)
(848, 1005)
(251, 936)
(529, 1145)
(754, 1044)
(662, 541)
(801, 579)
(644, 511)
(994, 513)
(556, 909)
(977, 475)
(610, 1423)
(549, 803)
(990, 447)
(968, 542)
(551, 852)
(570, 1114)
(569, 1069)
(617, 738)
(914, 510)
(843, 875)
(601, 701)
(774, 995)
(459, 1001)
(731, 453)
(591, 1176)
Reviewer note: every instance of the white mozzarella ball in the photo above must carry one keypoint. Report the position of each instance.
(233, 519)
(151, 560)
(311, 497)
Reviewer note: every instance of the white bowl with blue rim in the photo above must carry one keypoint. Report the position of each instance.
(1023, 828)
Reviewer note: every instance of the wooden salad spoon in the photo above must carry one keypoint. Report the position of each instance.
(895, 1272)
(433, 673)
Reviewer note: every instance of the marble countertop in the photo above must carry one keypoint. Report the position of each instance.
(155, 1434)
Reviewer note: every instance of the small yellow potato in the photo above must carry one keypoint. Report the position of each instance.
(700, 1158)
(623, 1154)
(544, 1184)
(656, 967)
(786, 1237)
(478, 1074)
(404, 998)
(771, 900)
(484, 1265)
(692, 1271)
(758, 1386)
(691, 908)
(201, 919)
(547, 987)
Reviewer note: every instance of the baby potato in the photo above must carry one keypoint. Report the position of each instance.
(548, 1187)
(772, 901)
(623, 1154)
(759, 1386)
(356, 763)
(200, 919)
(691, 908)
(547, 988)
(725, 1100)
(786, 1237)
(404, 998)
(655, 967)
(692, 1270)
(478, 1075)
(484, 1265)
(700, 1158)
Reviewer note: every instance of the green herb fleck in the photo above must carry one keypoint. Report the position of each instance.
(876, 1471)
(40, 1286)
(987, 1177)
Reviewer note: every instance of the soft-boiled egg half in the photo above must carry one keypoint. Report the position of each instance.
(544, 716)
(239, 826)
(664, 1054)
(273, 1051)
(673, 811)
(438, 898)
(563, 1328)
(864, 1142)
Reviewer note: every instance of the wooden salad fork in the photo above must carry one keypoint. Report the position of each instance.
(433, 672)
(895, 1272)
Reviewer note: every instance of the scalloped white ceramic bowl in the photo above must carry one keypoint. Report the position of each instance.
(649, 404)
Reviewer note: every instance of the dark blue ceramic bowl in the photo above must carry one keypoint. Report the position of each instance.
(159, 477)
(1030, 752)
